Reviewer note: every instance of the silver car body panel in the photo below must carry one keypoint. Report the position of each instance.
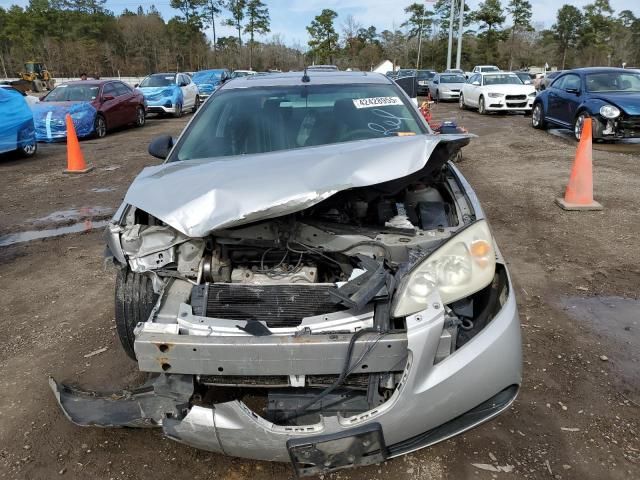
(211, 194)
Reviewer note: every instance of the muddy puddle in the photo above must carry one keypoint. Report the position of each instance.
(28, 236)
(626, 145)
(73, 215)
(616, 321)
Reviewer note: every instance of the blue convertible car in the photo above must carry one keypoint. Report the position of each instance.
(610, 96)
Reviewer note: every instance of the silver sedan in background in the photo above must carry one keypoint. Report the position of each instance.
(446, 86)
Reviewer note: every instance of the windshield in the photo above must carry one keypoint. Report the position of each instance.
(207, 77)
(504, 79)
(71, 93)
(452, 79)
(613, 82)
(422, 74)
(406, 73)
(238, 74)
(267, 119)
(158, 80)
(489, 69)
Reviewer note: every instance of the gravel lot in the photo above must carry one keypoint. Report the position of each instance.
(577, 278)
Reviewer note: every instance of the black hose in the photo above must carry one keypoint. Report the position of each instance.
(343, 375)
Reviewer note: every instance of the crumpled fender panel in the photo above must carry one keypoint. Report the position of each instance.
(212, 194)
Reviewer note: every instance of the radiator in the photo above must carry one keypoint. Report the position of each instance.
(283, 305)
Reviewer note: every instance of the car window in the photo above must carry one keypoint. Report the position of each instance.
(109, 89)
(613, 82)
(75, 92)
(186, 79)
(474, 78)
(558, 82)
(502, 79)
(452, 78)
(266, 119)
(158, 80)
(122, 89)
(571, 82)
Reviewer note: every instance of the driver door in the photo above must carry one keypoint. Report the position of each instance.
(472, 92)
(110, 106)
(188, 90)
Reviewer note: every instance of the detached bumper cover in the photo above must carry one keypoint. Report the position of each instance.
(431, 403)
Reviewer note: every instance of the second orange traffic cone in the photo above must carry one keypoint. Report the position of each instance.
(75, 159)
(579, 192)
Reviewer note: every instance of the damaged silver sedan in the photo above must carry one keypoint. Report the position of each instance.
(308, 279)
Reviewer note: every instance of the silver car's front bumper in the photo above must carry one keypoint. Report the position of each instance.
(433, 402)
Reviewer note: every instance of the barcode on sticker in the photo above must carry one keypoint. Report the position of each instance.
(376, 102)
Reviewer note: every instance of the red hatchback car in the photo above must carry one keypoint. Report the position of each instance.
(95, 106)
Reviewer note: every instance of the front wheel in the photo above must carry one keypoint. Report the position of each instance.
(196, 104)
(178, 110)
(578, 124)
(482, 109)
(461, 103)
(141, 117)
(537, 117)
(100, 126)
(134, 301)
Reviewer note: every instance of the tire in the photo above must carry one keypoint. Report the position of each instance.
(196, 104)
(577, 125)
(482, 109)
(461, 104)
(27, 151)
(134, 300)
(178, 112)
(141, 117)
(100, 126)
(537, 117)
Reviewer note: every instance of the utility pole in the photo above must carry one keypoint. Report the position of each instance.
(460, 27)
(420, 38)
(450, 45)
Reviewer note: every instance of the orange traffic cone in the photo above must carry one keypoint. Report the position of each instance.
(579, 193)
(75, 159)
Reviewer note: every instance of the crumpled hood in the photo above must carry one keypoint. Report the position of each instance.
(197, 197)
(628, 102)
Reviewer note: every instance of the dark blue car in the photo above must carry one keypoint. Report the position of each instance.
(610, 96)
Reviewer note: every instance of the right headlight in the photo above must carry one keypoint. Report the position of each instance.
(609, 111)
(462, 266)
(495, 95)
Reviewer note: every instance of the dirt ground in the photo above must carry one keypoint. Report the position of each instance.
(578, 413)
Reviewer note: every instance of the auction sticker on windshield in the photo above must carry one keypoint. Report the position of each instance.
(376, 102)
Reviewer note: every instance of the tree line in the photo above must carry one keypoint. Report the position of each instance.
(74, 36)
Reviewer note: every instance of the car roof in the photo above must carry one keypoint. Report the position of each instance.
(597, 70)
(94, 83)
(212, 70)
(315, 77)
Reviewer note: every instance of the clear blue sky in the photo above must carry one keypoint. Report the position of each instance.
(290, 17)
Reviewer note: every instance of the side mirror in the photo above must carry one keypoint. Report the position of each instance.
(476, 83)
(106, 98)
(436, 82)
(136, 85)
(527, 82)
(161, 146)
(183, 84)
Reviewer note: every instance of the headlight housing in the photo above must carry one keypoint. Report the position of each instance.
(495, 95)
(532, 94)
(609, 111)
(460, 267)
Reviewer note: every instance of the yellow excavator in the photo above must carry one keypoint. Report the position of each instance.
(35, 77)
